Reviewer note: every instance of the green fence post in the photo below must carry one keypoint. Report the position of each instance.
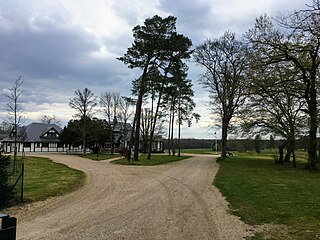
(22, 178)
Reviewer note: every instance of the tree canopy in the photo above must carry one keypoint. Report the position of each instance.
(156, 49)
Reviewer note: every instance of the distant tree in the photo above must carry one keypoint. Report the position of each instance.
(15, 114)
(50, 119)
(84, 103)
(271, 142)
(71, 134)
(98, 132)
(146, 121)
(126, 113)
(5, 127)
(257, 143)
(179, 98)
(185, 108)
(225, 62)
(110, 103)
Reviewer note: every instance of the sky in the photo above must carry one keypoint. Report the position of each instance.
(59, 46)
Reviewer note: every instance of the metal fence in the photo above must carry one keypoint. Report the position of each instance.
(16, 178)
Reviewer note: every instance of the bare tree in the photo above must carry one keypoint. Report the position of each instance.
(145, 128)
(224, 60)
(110, 103)
(126, 113)
(84, 103)
(15, 113)
(50, 119)
(5, 127)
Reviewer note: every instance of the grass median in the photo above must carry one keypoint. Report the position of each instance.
(262, 192)
(44, 179)
(155, 160)
(101, 156)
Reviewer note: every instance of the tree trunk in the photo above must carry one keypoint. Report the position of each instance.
(294, 159)
(169, 134)
(112, 140)
(312, 150)
(84, 136)
(179, 132)
(137, 127)
(138, 114)
(288, 152)
(131, 140)
(153, 124)
(318, 159)
(172, 143)
(224, 136)
(15, 151)
(281, 147)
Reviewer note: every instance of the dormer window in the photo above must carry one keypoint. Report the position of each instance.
(51, 134)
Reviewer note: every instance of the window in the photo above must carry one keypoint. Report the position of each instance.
(53, 145)
(52, 133)
(27, 145)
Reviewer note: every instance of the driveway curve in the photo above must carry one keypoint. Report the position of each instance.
(172, 201)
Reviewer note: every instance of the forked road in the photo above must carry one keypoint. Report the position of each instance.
(173, 201)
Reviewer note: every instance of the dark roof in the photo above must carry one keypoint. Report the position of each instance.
(3, 136)
(37, 132)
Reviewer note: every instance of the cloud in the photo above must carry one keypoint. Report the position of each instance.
(63, 45)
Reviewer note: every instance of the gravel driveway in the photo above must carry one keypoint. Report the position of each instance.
(173, 201)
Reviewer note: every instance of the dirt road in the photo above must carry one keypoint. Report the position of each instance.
(173, 201)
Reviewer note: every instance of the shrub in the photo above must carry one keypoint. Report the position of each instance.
(6, 193)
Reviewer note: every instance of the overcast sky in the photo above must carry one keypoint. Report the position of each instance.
(59, 46)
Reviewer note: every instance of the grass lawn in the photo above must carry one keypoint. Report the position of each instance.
(155, 160)
(44, 179)
(101, 156)
(198, 151)
(261, 191)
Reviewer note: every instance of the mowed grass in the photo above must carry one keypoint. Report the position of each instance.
(155, 160)
(261, 191)
(198, 151)
(101, 156)
(44, 179)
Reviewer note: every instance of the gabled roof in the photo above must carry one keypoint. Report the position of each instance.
(36, 132)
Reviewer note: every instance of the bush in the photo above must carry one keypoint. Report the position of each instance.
(6, 193)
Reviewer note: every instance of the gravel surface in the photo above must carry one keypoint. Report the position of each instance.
(172, 201)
